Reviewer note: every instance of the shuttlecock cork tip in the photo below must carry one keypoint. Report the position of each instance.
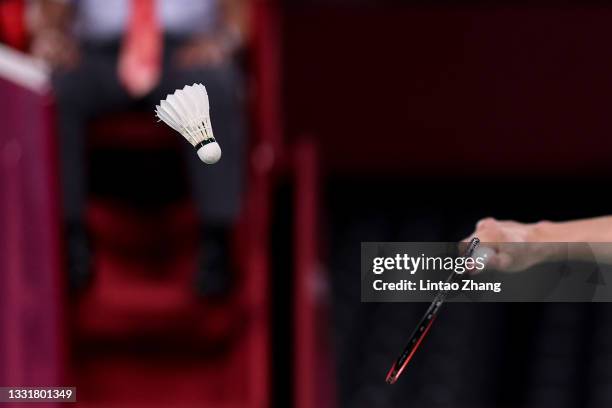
(210, 153)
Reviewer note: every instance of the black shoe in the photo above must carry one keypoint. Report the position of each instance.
(78, 257)
(214, 275)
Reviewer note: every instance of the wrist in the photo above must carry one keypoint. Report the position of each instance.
(550, 238)
(541, 231)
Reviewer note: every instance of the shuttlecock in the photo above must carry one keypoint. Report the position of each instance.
(187, 112)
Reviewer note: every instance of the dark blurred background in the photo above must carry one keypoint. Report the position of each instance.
(429, 116)
(369, 121)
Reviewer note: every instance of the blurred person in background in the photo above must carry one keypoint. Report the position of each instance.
(108, 55)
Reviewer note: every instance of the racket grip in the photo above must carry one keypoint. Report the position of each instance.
(484, 252)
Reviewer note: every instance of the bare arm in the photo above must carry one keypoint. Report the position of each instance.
(588, 230)
(539, 241)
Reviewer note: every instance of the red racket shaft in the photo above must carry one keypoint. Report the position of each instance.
(424, 325)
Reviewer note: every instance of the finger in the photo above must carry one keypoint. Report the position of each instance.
(486, 223)
(486, 230)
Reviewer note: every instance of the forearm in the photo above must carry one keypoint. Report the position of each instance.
(587, 230)
(588, 239)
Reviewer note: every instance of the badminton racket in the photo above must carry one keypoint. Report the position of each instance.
(425, 323)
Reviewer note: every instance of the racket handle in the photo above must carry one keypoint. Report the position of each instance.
(486, 253)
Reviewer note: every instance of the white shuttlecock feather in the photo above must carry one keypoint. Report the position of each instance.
(187, 112)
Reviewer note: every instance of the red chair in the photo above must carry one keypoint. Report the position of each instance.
(32, 346)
